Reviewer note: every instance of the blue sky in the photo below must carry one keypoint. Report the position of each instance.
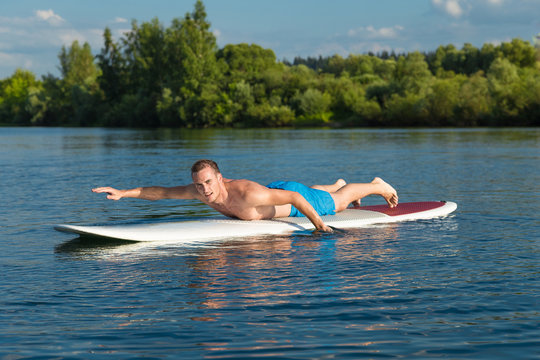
(33, 31)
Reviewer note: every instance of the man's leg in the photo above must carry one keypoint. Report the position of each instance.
(354, 192)
(330, 188)
(335, 187)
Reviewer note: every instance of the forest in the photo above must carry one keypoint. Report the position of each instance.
(176, 76)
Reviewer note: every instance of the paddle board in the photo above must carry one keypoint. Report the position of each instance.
(223, 227)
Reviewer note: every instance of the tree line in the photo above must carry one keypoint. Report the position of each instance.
(176, 76)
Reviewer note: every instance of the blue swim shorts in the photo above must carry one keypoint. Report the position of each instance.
(321, 200)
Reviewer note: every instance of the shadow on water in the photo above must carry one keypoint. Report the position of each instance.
(88, 243)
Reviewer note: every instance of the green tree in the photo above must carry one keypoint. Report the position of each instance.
(37, 105)
(443, 99)
(471, 59)
(474, 101)
(14, 94)
(246, 62)
(198, 51)
(518, 52)
(412, 73)
(269, 115)
(453, 59)
(193, 68)
(381, 92)
(384, 69)
(504, 85)
(531, 86)
(488, 54)
(313, 106)
(296, 79)
(143, 51)
(350, 104)
(336, 65)
(80, 93)
(114, 76)
(409, 106)
(357, 65)
(77, 65)
(408, 109)
(435, 60)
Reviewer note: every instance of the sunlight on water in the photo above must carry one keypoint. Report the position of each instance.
(463, 286)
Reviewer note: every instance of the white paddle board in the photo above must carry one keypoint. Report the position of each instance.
(222, 227)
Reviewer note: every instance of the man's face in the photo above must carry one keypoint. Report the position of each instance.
(207, 182)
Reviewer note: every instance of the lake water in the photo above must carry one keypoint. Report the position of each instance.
(463, 287)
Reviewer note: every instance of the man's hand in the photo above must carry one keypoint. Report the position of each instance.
(324, 228)
(113, 194)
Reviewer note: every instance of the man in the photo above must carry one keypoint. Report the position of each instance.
(248, 200)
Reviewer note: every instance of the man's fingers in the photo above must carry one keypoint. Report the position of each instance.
(337, 230)
(108, 190)
(329, 229)
(325, 229)
(112, 194)
(100, 189)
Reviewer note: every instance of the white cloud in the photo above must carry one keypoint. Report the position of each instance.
(216, 33)
(33, 42)
(374, 33)
(120, 20)
(460, 8)
(46, 29)
(50, 17)
(454, 8)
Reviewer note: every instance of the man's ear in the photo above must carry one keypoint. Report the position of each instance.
(220, 177)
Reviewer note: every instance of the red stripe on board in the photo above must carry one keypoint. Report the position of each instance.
(404, 208)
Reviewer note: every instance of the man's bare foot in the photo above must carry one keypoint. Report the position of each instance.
(387, 192)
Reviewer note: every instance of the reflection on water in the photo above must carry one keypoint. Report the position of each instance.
(263, 271)
(464, 286)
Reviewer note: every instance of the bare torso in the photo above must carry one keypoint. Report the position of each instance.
(240, 200)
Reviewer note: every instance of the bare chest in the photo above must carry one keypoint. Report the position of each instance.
(245, 212)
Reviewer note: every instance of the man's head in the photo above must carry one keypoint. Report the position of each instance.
(201, 164)
(207, 179)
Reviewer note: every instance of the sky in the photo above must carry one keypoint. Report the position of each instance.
(32, 32)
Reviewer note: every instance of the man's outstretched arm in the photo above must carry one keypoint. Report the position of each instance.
(150, 193)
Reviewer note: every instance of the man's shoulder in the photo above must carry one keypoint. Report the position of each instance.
(243, 184)
(246, 188)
